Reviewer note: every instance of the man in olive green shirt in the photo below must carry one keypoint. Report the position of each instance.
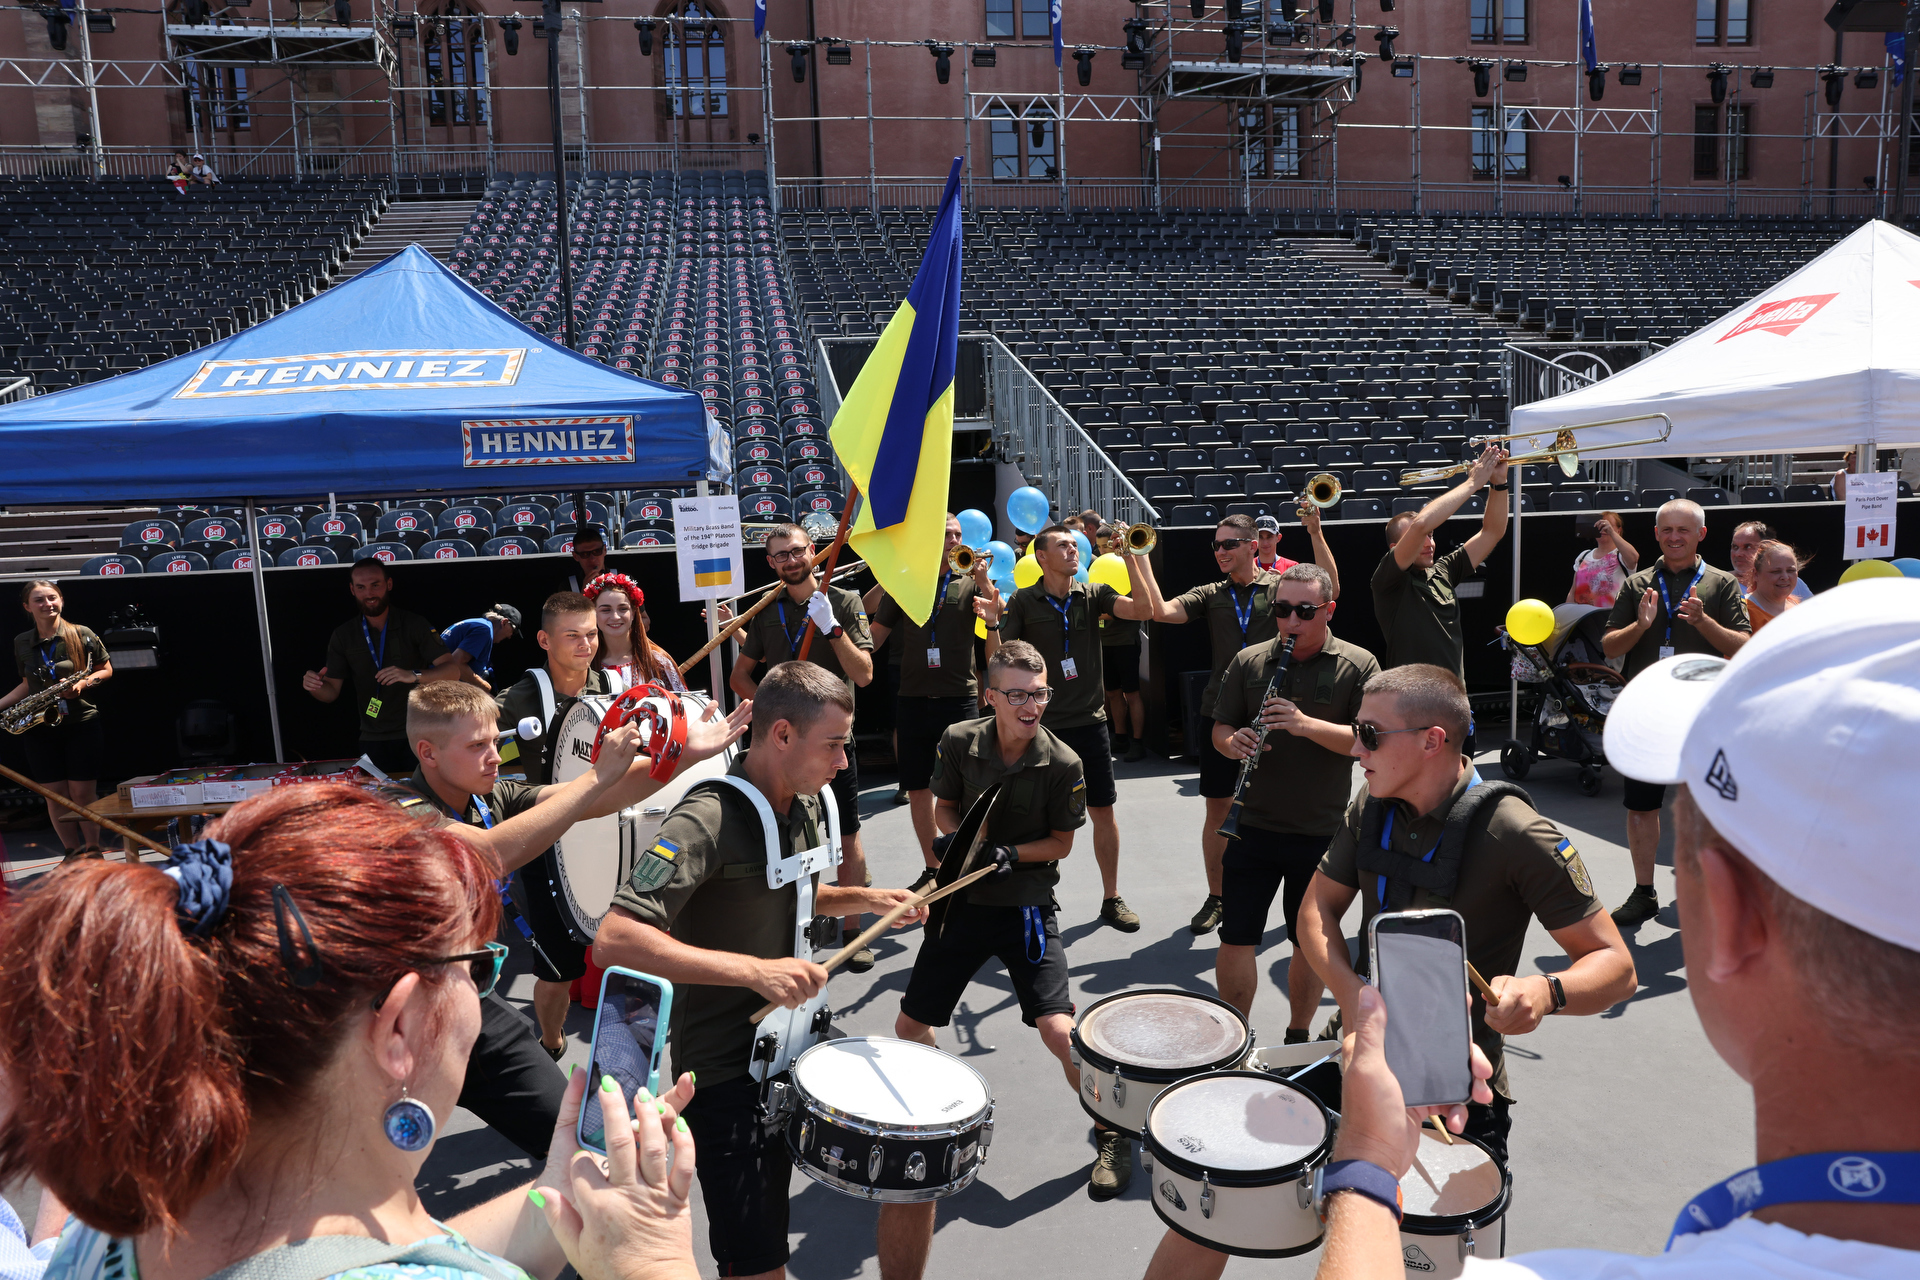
(1294, 799)
(1678, 604)
(1413, 592)
(1057, 616)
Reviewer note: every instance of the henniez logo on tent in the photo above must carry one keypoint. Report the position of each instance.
(1781, 317)
(355, 371)
(535, 442)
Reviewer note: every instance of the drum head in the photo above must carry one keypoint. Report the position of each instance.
(1450, 1181)
(1163, 1030)
(894, 1084)
(1237, 1122)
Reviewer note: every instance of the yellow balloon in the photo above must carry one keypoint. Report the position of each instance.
(1530, 621)
(1112, 570)
(1026, 571)
(1860, 569)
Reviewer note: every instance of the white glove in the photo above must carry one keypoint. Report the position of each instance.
(820, 613)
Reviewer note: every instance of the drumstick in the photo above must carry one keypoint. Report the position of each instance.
(880, 926)
(85, 812)
(1441, 1125)
(1487, 993)
(727, 632)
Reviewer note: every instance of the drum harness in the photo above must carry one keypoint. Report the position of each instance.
(513, 887)
(1438, 871)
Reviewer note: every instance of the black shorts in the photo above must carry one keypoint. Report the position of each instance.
(1120, 665)
(1253, 870)
(974, 935)
(393, 755)
(918, 726)
(1217, 772)
(511, 1083)
(1095, 749)
(1643, 797)
(846, 793)
(546, 911)
(71, 751)
(744, 1170)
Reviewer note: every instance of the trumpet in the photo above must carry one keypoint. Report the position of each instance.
(1140, 539)
(1565, 448)
(1322, 491)
(963, 557)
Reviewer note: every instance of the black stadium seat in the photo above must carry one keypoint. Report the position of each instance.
(307, 557)
(445, 549)
(112, 566)
(1808, 493)
(510, 545)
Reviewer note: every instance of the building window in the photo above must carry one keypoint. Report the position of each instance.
(456, 67)
(1510, 144)
(1035, 18)
(1723, 22)
(217, 96)
(1022, 145)
(1497, 21)
(1272, 142)
(999, 19)
(1710, 128)
(1706, 142)
(696, 64)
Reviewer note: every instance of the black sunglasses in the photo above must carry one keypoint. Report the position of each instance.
(1370, 733)
(1306, 612)
(483, 966)
(1230, 544)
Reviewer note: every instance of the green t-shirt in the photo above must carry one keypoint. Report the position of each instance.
(1718, 590)
(774, 635)
(1299, 787)
(1418, 612)
(949, 630)
(1045, 792)
(507, 799)
(1222, 606)
(409, 643)
(1034, 616)
(522, 699)
(716, 898)
(31, 655)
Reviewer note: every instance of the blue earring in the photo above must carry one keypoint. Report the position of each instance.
(410, 1124)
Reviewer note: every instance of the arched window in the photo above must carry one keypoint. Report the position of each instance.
(696, 63)
(455, 67)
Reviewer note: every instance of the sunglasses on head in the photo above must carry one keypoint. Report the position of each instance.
(1230, 544)
(1306, 612)
(1370, 733)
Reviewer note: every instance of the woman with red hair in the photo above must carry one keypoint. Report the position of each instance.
(620, 610)
(250, 1047)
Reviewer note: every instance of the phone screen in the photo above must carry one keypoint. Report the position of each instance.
(1420, 966)
(627, 1039)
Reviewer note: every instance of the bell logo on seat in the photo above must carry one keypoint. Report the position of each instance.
(112, 569)
(307, 560)
(384, 556)
(448, 553)
(405, 522)
(334, 526)
(511, 549)
(151, 535)
(178, 566)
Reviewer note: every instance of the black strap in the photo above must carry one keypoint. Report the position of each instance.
(1406, 872)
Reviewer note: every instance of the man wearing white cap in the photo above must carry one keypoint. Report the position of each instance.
(1796, 889)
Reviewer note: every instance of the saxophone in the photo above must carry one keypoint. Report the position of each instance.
(40, 707)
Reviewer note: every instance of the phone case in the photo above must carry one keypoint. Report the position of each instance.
(1466, 1009)
(664, 1020)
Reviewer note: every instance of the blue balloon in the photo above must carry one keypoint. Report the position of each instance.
(1029, 510)
(1003, 557)
(1908, 565)
(976, 530)
(1086, 553)
(1081, 576)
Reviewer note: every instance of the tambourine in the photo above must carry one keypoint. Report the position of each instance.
(666, 732)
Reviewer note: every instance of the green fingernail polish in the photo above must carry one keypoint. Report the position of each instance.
(533, 1194)
(607, 1085)
(662, 1107)
(693, 1077)
(680, 1125)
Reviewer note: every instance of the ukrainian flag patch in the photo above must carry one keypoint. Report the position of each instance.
(1078, 796)
(655, 866)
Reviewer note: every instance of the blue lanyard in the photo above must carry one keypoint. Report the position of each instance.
(45, 649)
(1826, 1177)
(1033, 929)
(793, 637)
(1386, 838)
(501, 885)
(380, 658)
(1062, 607)
(1246, 617)
(939, 599)
(1660, 577)
(486, 814)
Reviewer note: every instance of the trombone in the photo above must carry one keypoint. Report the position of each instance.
(1564, 449)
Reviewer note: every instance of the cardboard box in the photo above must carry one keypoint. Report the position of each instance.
(231, 786)
(348, 771)
(169, 790)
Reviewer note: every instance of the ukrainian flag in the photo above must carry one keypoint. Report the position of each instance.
(894, 431)
(712, 573)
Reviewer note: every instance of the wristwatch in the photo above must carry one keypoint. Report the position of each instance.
(1559, 992)
(1363, 1176)
(994, 627)
(1498, 488)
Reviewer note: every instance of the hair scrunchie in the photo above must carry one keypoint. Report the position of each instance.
(618, 582)
(204, 872)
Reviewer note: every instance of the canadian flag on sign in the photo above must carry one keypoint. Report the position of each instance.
(1875, 536)
(1872, 518)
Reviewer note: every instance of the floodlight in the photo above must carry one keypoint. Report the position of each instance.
(1717, 84)
(1629, 73)
(1761, 78)
(1403, 68)
(839, 55)
(1514, 72)
(1869, 78)
(797, 51)
(645, 27)
(942, 60)
(1085, 58)
(510, 33)
(986, 56)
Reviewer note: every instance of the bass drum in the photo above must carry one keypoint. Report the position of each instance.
(594, 857)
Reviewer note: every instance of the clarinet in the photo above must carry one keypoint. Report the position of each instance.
(1231, 827)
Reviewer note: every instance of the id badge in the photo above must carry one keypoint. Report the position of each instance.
(1069, 669)
(1666, 651)
(933, 659)
(373, 709)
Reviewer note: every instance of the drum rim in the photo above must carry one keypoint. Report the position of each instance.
(1452, 1224)
(1132, 1071)
(1236, 1250)
(972, 1123)
(1274, 1176)
(861, 1191)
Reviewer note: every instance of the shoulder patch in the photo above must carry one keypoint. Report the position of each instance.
(1078, 798)
(655, 866)
(1576, 869)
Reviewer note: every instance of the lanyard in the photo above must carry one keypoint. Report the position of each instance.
(380, 658)
(1062, 607)
(1826, 1177)
(486, 814)
(1033, 929)
(1386, 838)
(939, 600)
(1243, 617)
(1660, 577)
(45, 649)
(793, 637)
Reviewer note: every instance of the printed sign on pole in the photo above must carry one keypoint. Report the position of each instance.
(1871, 511)
(707, 542)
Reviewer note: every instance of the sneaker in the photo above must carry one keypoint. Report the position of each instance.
(1115, 912)
(924, 880)
(860, 961)
(1641, 906)
(1207, 918)
(1113, 1162)
(1120, 745)
(1136, 751)
(1296, 1035)
(899, 795)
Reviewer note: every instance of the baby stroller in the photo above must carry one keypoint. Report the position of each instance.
(1574, 688)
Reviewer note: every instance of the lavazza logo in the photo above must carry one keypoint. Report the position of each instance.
(1781, 317)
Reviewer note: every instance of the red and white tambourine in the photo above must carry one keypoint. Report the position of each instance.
(666, 720)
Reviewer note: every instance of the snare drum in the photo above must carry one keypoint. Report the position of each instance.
(594, 856)
(888, 1120)
(1131, 1046)
(1232, 1156)
(1452, 1198)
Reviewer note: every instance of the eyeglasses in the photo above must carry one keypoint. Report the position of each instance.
(1306, 612)
(1230, 544)
(484, 965)
(794, 553)
(1019, 697)
(1370, 734)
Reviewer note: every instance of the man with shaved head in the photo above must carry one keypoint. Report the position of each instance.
(1679, 604)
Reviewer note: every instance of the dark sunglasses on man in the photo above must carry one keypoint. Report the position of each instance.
(1230, 544)
(1370, 733)
(1287, 609)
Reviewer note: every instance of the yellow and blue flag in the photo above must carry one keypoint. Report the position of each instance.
(894, 431)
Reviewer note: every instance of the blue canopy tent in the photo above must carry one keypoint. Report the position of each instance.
(403, 379)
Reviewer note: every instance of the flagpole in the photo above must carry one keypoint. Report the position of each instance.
(833, 558)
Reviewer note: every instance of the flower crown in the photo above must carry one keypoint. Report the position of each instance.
(616, 582)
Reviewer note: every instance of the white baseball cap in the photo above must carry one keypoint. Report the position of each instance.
(1803, 750)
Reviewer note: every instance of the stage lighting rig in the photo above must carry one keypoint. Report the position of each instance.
(645, 27)
(1514, 73)
(942, 60)
(1836, 82)
(1281, 34)
(1868, 78)
(1566, 182)
(405, 27)
(510, 34)
(1084, 73)
(1236, 34)
(1482, 75)
(57, 21)
(1358, 61)
(1326, 10)
(1386, 6)
(342, 12)
(1597, 83)
(985, 55)
(839, 55)
(1717, 83)
(797, 51)
(1233, 10)
(99, 23)
(1386, 37)
(1629, 73)
(1347, 38)
(1135, 56)
(1761, 78)
(1403, 68)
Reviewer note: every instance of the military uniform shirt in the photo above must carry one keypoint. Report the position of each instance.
(1034, 616)
(774, 634)
(1719, 591)
(1214, 603)
(411, 645)
(522, 699)
(1044, 791)
(507, 799)
(27, 651)
(1518, 869)
(1418, 612)
(715, 896)
(952, 633)
(1299, 788)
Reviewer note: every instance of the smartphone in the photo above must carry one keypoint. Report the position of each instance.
(1419, 962)
(629, 1036)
